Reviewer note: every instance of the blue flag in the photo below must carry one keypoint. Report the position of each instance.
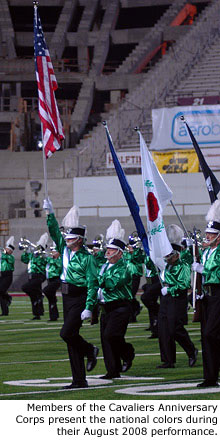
(129, 196)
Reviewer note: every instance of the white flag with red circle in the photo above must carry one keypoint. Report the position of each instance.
(156, 196)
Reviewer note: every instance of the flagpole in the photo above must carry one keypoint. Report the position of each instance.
(44, 164)
(137, 129)
(128, 194)
(180, 220)
(51, 125)
(35, 3)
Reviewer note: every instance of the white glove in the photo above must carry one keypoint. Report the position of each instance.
(48, 206)
(86, 314)
(189, 242)
(197, 267)
(199, 297)
(164, 291)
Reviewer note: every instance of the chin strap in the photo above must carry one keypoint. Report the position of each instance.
(112, 255)
(74, 240)
(210, 243)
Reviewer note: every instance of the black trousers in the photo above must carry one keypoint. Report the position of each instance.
(135, 305)
(77, 347)
(171, 328)
(135, 284)
(113, 326)
(5, 298)
(149, 299)
(33, 288)
(210, 330)
(50, 290)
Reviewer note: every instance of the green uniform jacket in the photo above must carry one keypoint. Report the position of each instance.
(186, 255)
(100, 259)
(53, 267)
(177, 277)
(211, 271)
(7, 262)
(116, 281)
(136, 259)
(150, 268)
(36, 264)
(81, 269)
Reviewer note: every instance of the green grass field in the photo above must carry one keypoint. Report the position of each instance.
(35, 366)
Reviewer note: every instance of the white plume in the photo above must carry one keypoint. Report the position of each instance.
(174, 234)
(214, 212)
(11, 241)
(72, 218)
(115, 230)
(43, 240)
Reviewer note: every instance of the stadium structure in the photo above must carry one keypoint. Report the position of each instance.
(114, 61)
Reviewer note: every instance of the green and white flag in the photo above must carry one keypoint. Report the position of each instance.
(156, 196)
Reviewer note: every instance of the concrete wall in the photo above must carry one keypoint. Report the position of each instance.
(17, 170)
(190, 195)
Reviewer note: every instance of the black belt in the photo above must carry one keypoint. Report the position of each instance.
(6, 273)
(112, 305)
(36, 275)
(179, 293)
(53, 279)
(151, 280)
(211, 289)
(72, 290)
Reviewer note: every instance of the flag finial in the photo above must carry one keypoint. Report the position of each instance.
(104, 123)
(136, 129)
(182, 118)
(35, 3)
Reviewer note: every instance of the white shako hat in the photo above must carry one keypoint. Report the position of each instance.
(115, 236)
(175, 235)
(43, 240)
(10, 244)
(70, 222)
(213, 218)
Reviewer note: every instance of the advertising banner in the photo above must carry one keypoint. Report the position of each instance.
(169, 132)
(183, 161)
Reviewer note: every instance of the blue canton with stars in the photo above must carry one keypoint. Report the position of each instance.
(39, 41)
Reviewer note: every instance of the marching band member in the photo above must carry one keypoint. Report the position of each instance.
(173, 304)
(6, 274)
(98, 251)
(36, 262)
(151, 295)
(79, 290)
(210, 325)
(53, 272)
(135, 256)
(115, 296)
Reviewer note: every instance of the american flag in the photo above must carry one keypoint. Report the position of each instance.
(47, 84)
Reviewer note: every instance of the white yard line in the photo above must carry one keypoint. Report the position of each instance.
(150, 354)
(168, 388)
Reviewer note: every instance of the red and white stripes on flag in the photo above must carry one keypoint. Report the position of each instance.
(52, 130)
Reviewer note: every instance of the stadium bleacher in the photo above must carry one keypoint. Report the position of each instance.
(108, 66)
